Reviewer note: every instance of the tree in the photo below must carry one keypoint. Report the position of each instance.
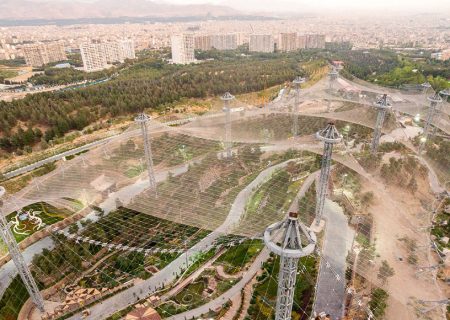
(367, 199)
(385, 272)
(412, 185)
(378, 302)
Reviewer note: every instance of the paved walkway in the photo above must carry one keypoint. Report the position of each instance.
(167, 275)
(219, 301)
(330, 290)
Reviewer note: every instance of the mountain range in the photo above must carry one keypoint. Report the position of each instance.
(76, 9)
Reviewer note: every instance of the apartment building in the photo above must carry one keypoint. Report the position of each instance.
(224, 41)
(202, 42)
(39, 54)
(183, 49)
(315, 41)
(287, 42)
(96, 56)
(261, 43)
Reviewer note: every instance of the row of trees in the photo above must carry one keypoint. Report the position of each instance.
(146, 85)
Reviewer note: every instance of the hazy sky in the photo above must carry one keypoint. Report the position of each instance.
(332, 5)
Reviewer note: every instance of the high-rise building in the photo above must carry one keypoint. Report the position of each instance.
(261, 43)
(128, 49)
(219, 41)
(38, 54)
(224, 41)
(183, 49)
(202, 42)
(96, 56)
(315, 41)
(301, 42)
(287, 42)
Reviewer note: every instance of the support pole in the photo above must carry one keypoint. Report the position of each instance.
(329, 136)
(19, 261)
(333, 76)
(298, 81)
(142, 119)
(226, 98)
(382, 105)
(434, 100)
(290, 240)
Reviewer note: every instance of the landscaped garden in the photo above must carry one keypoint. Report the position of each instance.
(262, 304)
(35, 217)
(237, 257)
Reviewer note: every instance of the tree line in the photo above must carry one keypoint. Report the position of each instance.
(149, 84)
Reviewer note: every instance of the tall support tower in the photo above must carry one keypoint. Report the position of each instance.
(329, 136)
(290, 240)
(226, 98)
(142, 119)
(434, 101)
(22, 268)
(382, 105)
(333, 76)
(298, 81)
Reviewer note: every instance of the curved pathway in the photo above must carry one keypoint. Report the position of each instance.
(167, 275)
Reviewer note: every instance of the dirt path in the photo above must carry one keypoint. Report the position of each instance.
(397, 214)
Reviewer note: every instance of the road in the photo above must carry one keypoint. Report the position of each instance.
(330, 292)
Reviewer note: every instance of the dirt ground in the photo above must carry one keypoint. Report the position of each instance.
(398, 213)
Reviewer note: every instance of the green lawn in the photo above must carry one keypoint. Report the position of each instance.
(13, 299)
(264, 297)
(134, 171)
(235, 258)
(49, 215)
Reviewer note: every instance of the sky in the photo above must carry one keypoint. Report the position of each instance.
(330, 5)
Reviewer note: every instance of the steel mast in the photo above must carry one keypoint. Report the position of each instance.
(382, 105)
(333, 75)
(290, 240)
(19, 261)
(434, 100)
(142, 119)
(298, 81)
(329, 136)
(226, 98)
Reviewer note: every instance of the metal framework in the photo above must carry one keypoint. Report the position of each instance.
(16, 256)
(333, 75)
(296, 241)
(434, 100)
(298, 81)
(226, 98)
(142, 119)
(329, 136)
(382, 105)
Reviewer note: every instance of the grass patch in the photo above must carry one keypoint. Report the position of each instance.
(262, 304)
(235, 258)
(13, 299)
(49, 215)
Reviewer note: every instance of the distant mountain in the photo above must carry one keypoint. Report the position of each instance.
(53, 9)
